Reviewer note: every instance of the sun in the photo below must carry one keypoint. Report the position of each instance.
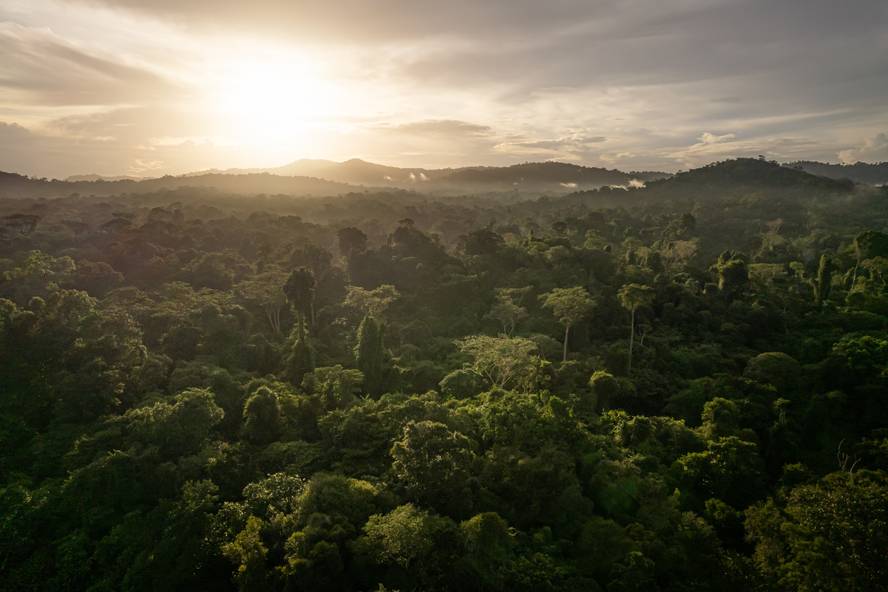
(272, 104)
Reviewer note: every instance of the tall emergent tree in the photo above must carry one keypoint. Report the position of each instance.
(507, 309)
(503, 362)
(300, 291)
(370, 355)
(824, 279)
(300, 358)
(570, 305)
(633, 297)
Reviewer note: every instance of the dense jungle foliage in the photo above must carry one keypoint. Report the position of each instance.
(676, 388)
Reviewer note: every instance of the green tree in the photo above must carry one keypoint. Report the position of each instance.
(823, 284)
(371, 356)
(248, 553)
(733, 273)
(264, 292)
(570, 306)
(433, 465)
(507, 310)
(831, 535)
(604, 387)
(301, 356)
(373, 302)
(632, 297)
(420, 543)
(504, 362)
(262, 416)
(336, 386)
(775, 368)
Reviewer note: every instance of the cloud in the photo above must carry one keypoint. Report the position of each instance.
(40, 67)
(708, 138)
(381, 21)
(439, 127)
(874, 149)
(47, 153)
(628, 84)
(576, 146)
(712, 147)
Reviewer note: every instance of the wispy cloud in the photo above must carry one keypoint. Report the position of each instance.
(874, 149)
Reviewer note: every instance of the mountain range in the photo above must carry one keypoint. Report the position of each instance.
(323, 177)
(555, 177)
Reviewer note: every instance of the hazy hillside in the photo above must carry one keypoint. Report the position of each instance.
(94, 177)
(543, 177)
(19, 186)
(859, 172)
(743, 178)
(743, 175)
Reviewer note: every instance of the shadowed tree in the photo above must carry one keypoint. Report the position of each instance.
(262, 416)
(352, 241)
(370, 355)
(300, 291)
(300, 359)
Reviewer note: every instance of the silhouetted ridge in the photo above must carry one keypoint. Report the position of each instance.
(744, 174)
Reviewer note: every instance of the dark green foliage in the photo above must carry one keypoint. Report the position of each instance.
(733, 274)
(371, 356)
(871, 244)
(823, 287)
(433, 465)
(300, 358)
(300, 291)
(828, 535)
(457, 405)
(262, 417)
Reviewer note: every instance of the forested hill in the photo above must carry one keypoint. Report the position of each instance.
(546, 177)
(329, 178)
(753, 180)
(859, 172)
(742, 175)
(19, 186)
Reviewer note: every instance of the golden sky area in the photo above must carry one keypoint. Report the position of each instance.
(162, 87)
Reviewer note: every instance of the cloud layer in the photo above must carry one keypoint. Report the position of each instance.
(123, 86)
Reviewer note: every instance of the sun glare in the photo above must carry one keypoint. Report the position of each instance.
(272, 105)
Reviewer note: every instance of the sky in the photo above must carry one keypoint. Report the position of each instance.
(154, 87)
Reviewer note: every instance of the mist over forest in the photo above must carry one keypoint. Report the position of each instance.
(501, 296)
